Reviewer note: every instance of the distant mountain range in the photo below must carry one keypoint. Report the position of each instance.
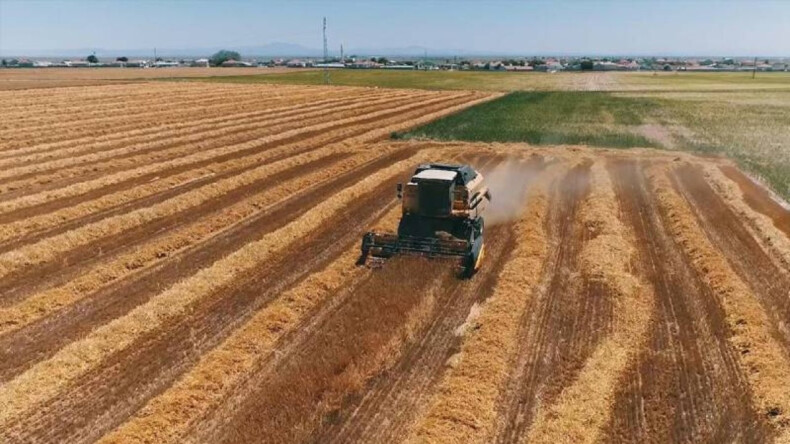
(287, 50)
(275, 49)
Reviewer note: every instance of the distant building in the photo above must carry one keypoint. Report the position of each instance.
(235, 64)
(401, 67)
(296, 63)
(518, 68)
(330, 65)
(364, 64)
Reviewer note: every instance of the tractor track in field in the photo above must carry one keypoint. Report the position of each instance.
(765, 277)
(559, 331)
(759, 199)
(686, 386)
(82, 417)
(350, 344)
(390, 403)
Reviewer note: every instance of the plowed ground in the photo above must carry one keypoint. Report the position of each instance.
(177, 264)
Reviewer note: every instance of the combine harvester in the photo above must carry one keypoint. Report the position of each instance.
(442, 218)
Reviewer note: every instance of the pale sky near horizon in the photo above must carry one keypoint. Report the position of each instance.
(523, 27)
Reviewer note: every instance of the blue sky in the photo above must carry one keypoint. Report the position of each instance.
(522, 27)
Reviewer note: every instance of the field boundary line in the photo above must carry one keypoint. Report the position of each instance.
(44, 380)
(463, 408)
(585, 407)
(765, 365)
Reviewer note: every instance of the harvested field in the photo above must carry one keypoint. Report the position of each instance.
(184, 271)
(32, 78)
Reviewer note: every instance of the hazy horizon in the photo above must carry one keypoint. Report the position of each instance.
(687, 28)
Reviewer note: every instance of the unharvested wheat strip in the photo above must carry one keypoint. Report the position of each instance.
(170, 416)
(165, 247)
(165, 131)
(764, 363)
(463, 409)
(584, 408)
(44, 380)
(27, 225)
(762, 227)
(206, 137)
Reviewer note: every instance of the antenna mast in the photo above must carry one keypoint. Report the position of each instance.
(326, 57)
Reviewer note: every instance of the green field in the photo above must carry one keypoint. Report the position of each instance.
(525, 81)
(553, 118)
(751, 127)
(745, 118)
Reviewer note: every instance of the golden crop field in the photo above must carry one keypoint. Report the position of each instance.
(31, 78)
(178, 264)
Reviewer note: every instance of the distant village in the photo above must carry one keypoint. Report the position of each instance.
(525, 64)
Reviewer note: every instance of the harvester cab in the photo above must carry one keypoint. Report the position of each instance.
(442, 216)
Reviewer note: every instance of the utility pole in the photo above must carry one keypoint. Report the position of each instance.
(342, 59)
(326, 57)
(754, 68)
(154, 64)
